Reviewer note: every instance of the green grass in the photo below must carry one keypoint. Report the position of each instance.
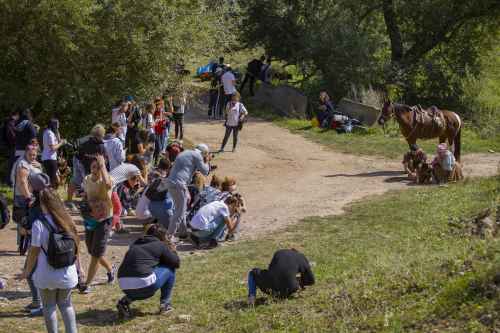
(374, 142)
(390, 264)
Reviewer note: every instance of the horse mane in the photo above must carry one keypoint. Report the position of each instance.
(401, 107)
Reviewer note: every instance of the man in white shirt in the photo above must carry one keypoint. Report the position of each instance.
(229, 83)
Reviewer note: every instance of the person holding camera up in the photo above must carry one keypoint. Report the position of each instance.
(51, 143)
(185, 166)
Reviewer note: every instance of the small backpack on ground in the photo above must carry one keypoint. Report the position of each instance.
(61, 251)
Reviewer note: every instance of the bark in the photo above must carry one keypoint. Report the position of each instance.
(393, 31)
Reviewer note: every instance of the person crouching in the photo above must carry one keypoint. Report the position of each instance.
(288, 272)
(149, 264)
(444, 166)
(212, 220)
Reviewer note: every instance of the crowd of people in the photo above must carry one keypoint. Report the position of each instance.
(132, 167)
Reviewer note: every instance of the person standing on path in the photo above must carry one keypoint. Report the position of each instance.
(179, 117)
(51, 143)
(55, 284)
(98, 188)
(26, 132)
(229, 83)
(235, 114)
(119, 115)
(186, 164)
(9, 138)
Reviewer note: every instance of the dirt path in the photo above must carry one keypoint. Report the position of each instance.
(283, 177)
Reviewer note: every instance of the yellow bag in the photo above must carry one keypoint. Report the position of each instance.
(315, 122)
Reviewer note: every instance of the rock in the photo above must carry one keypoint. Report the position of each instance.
(184, 318)
(285, 100)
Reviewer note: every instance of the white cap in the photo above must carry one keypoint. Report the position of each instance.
(203, 148)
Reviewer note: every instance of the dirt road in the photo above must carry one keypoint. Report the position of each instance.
(285, 178)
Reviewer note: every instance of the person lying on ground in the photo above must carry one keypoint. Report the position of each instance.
(53, 274)
(412, 159)
(98, 190)
(444, 166)
(212, 221)
(288, 272)
(149, 265)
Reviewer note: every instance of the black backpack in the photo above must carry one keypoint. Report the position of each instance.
(152, 192)
(61, 251)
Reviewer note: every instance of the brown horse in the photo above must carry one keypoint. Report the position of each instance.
(412, 129)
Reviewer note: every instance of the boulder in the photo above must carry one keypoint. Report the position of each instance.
(366, 114)
(285, 100)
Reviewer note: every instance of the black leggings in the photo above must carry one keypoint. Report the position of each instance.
(179, 126)
(235, 131)
(50, 167)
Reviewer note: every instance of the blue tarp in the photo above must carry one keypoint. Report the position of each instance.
(204, 69)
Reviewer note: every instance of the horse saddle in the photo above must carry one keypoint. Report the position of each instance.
(431, 116)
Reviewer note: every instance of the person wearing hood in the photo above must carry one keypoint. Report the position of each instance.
(186, 164)
(26, 131)
(148, 266)
(288, 272)
(51, 143)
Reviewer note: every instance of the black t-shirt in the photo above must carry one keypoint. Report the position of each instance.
(88, 147)
(254, 67)
(144, 255)
(280, 279)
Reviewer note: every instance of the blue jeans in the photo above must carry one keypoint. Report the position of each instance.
(215, 230)
(161, 210)
(252, 286)
(165, 280)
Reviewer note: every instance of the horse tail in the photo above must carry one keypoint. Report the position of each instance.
(457, 144)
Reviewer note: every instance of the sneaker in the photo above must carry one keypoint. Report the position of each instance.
(251, 300)
(84, 289)
(174, 240)
(31, 306)
(111, 275)
(166, 308)
(38, 312)
(123, 308)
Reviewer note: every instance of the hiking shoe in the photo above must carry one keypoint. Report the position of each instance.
(84, 289)
(166, 308)
(31, 306)
(111, 275)
(38, 312)
(123, 308)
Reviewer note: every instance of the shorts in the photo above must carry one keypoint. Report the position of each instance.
(78, 173)
(97, 239)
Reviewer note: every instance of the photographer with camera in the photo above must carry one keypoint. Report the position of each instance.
(185, 166)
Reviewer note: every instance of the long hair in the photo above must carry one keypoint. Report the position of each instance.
(54, 127)
(51, 201)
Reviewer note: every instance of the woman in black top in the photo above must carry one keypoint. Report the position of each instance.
(288, 271)
(149, 265)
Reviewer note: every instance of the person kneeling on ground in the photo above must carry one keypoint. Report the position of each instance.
(412, 160)
(212, 220)
(444, 166)
(149, 265)
(288, 271)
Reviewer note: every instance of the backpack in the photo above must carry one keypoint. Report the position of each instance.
(152, 192)
(4, 212)
(61, 251)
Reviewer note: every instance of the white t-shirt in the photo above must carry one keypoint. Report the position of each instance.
(235, 111)
(45, 276)
(227, 82)
(121, 119)
(148, 122)
(142, 211)
(209, 213)
(49, 138)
